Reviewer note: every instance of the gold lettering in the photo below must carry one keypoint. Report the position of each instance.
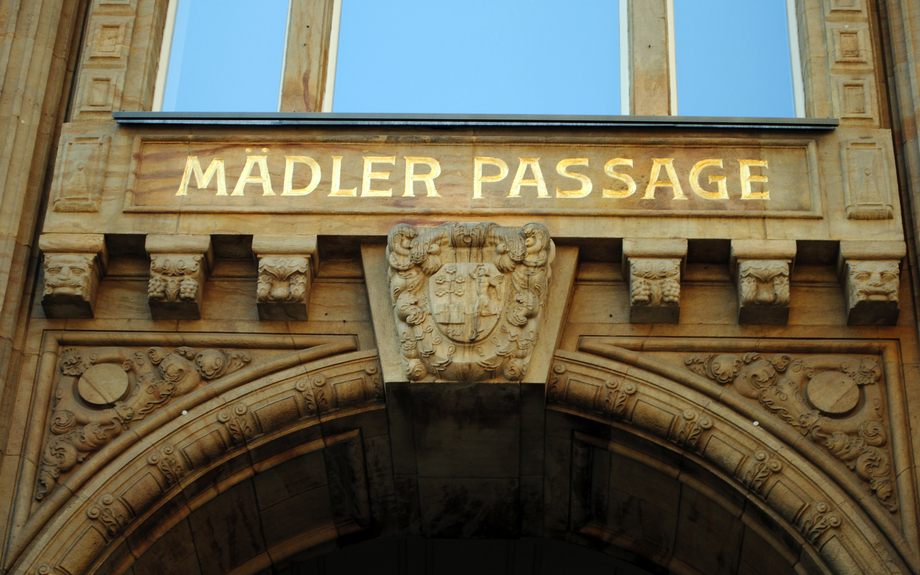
(412, 177)
(672, 181)
(202, 179)
(337, 180)
(536, 181)
(478, 178)
(722, 194)
(289, 162)
(625, 178)
(747, 178)
(369, 175)
(246, 176)
(586, 185)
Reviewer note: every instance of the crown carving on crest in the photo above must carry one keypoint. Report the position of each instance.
(468, 298)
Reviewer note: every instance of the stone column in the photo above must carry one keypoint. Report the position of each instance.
(761, 269)
(74, 265)
(179, 269)
(870, 272)
(286, 269)
(653, 268)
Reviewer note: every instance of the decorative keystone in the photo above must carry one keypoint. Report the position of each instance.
(74, 264)
(871, 275)
(761, 269)
(653, 268)
(286, 269)
(179, 267)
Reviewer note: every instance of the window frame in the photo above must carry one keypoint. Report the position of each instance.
(311, 52)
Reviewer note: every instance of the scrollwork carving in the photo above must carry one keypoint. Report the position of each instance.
(111, 513)
(166, 460)
(237, 423)
(125, 387)
(690, 431)
(467, 298)
(314, 393)
(813, 525)
(833, 401)
(759, 472)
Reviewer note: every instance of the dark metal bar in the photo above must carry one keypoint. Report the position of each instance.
(458, 120)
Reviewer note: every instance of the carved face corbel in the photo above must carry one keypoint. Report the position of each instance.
(872, 292)
(71, 283)
(763, 292)
(283, 290)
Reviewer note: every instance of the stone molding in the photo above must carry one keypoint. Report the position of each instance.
(870, 272)
(74, 265)
(766, 466)
(653, 267)
(467, 298)
(179, 269)
(287, 266)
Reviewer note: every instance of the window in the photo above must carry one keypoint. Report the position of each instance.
(584, 57)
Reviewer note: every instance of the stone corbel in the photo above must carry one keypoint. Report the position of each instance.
(870, 272)
(74, 264)
(179, 268)
(761, 269)
(287, 266)
(653, 267)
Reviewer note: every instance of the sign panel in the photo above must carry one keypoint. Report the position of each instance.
(777, 180)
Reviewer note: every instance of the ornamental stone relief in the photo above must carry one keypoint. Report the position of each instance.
(872, 292)
(834, 401)
(763, 292)
(102, 392)
(467, 298)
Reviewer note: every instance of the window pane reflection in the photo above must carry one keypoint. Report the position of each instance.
(226, 56)
(479, 57)
(733, 58)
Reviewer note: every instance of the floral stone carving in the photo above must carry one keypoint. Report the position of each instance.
(872, 292)
(654, 290)
(175, 288)
(102, 392)
(468, 298)
(763, 292)
(71, 285)
(834, 401)
(284, 288)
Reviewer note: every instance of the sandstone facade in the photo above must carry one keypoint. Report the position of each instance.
(232, 345)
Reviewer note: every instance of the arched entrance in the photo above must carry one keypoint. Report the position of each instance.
(271, 467)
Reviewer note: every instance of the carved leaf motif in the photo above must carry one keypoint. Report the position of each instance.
(110, 513)
(819, 521)
(166, 461)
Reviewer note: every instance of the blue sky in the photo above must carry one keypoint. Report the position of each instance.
(482, 57)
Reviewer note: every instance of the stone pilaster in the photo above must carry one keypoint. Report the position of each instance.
(286, 269)
(74, 265)
(761, 269)
(179, 269)
(870, 272)
(653, 268)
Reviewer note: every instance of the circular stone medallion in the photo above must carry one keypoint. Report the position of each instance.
(103, 384)
(833, 392)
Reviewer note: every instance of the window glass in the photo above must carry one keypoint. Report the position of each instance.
(479, 57)
(733, 58)
(226, 56)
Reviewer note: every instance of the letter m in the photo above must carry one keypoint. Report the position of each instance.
(193, 166)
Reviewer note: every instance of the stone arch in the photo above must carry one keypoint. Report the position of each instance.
(801, 488)
(266, 419)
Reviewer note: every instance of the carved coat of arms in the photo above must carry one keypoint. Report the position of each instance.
(467, 298)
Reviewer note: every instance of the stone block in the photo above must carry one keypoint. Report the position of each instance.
(870, 272)
(74, 265)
